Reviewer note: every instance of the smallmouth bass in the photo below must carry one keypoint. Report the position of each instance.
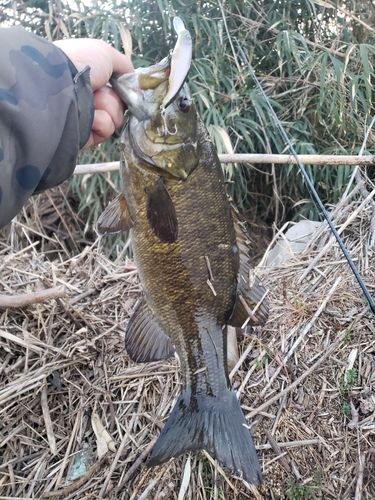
(191, 258)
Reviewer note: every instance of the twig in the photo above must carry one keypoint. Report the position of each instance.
(93, 168)
(135, 466)
(277, 458)
(47, 420)
(359, 486)
(364, 192)
(276, 448)
(336, 211)
(303, 333)
(313, 319)
(64, 492)
(70, 444)
(268, 403)
(241, 360)
(290, 444)
(82, 296)
(23, 459)
(152, 485)
(333, 239)
(352, 16)
(281, 407)
(354, 174)
(6, 261)
(25, 299)
(118, 455)
(219, 469)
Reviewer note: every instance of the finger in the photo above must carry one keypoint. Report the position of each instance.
(99, 55)
(103, 126)
(107, 61)
(121, 63)
(106, 99)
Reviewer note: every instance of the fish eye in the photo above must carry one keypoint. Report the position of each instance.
(183, 104)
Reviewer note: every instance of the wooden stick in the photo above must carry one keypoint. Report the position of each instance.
(251, 158)
(26, 299)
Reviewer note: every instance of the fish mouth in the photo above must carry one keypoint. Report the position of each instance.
(137, 89)
(145, 91)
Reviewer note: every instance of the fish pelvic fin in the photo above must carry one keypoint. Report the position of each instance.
(216, 425)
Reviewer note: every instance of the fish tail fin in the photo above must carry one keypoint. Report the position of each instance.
(216, 425)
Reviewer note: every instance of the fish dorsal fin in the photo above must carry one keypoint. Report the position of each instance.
(161, 213)
(145, 340)
(250, 288)
(115, 218)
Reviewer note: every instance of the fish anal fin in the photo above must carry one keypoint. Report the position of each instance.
(115, 218)
(161, 213)
(145, 340)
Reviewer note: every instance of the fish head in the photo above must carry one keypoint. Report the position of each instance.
(163, 123)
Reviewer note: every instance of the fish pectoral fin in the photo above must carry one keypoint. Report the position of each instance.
(251, 290)
(161, 213)
(145, 340)
(115, 218)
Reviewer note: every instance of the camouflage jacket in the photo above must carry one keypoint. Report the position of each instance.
(46, 113)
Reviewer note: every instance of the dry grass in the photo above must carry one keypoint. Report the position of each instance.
(63, 365)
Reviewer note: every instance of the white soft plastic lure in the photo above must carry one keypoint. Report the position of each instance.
(180, 63)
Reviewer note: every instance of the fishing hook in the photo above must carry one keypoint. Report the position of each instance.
(164, 118)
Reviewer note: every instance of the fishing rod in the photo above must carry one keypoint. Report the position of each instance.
(308, 181)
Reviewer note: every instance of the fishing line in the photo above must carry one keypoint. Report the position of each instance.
(308, 181)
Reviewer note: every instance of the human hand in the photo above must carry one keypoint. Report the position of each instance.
(103, 61)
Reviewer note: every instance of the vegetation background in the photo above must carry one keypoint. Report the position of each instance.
(314, 59)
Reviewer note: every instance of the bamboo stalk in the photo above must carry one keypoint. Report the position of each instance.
(250, 158)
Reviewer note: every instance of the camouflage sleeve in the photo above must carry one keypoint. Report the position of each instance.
(46, 113)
